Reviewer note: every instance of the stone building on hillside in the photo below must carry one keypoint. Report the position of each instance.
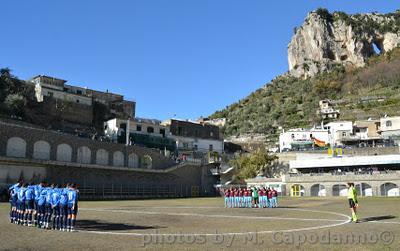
(59, 96)
(326, 110)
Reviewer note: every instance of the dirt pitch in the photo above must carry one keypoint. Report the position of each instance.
(204, 224)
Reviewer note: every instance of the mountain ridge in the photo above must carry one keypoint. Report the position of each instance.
(292, 101)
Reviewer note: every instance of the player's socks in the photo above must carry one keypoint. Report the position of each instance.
(354, 217)
(54, 222)
(30, 219)
(73, 223)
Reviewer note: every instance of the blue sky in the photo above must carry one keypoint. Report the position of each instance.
(183, 57)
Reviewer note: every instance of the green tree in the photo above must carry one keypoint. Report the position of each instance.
(251, 165)
(15, 104)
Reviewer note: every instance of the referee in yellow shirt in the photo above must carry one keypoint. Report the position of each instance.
(353, 202)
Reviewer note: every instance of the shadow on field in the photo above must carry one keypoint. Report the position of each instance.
(378, 218)
(95, 225)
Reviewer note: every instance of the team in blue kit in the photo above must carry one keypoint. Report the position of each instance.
(43, 206)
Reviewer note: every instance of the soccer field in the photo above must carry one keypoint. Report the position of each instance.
(204, 224)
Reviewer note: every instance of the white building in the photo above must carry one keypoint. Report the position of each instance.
(302, 138)
(390, 127)
(114, 127)
(338, 131)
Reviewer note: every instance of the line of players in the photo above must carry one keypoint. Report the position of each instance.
(44, 206)
(251, 197)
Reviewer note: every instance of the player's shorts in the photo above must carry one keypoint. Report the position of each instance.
(63, 210)
(13, 202)
(256, 201)
(74, 211)
(29, 204)
(35, 205)
(41, 209)
(48, 209)
(21, 205)
(56, 210)
(351, 203)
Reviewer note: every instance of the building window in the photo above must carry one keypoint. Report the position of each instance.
(180, 131)
(210, 148)
(79, 92)
(344, 134)
(389, 123)
(211, 134)
(150, 129)
(50, 94)
(139, 128)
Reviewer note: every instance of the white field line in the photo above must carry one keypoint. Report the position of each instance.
(209, 215)
(341, 222)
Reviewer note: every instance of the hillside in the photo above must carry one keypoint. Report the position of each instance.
(353, 60)
(289, 102)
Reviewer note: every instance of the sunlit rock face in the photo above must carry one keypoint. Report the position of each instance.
(325, 40)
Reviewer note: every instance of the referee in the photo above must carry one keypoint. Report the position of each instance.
(353, 202)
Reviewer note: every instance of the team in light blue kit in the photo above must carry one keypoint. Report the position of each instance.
(47, 207)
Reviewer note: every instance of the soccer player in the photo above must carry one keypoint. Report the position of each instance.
(37, 190)
(29, 203)
(274, 198)
(13, 191)
(261, 197)
(21, 205)
(231, 198)
(55, 206)
(353, 202)
(41, 204)
(248, 198)
(48, 209)
(236, 197)
(269, 197)
(64, 207)
(255, 197)
(240, 197)
(226, 194)
(72, 207)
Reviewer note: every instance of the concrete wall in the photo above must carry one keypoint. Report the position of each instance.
(383, 184)
(33, 143)
(100, 178)
(101, 169)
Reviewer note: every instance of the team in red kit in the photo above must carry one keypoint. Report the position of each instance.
(251, 197)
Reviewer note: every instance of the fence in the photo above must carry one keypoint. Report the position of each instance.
(136, 191)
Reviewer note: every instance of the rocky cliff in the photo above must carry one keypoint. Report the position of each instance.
(325, 40)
